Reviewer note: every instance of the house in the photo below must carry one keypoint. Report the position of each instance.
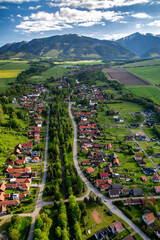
(11, 170)
(104, 187)
(157, 232)
(25, 147)
(148, 218)
(114, 193)
(101, 234)
(141, 163)
(138, 156)
(99, 182)
(108, 146)
(35, 160)
(133, 202)
(117, 186)
(137, 192)
(157, 189)
(148, 171)
(125, 192)
(19, 162)
(144, 178)
(86, 162)
(113, 156)
(104, 175)
(155, 178)
(37, 139)
(89, 170)
(157, 155)
(116, 162)
(116, 227)
(39, 124)
(5, 204)
(35, 154)
(90, 154)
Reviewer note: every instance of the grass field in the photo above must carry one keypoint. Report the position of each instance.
(149, 73)
(152, 62)
(147, 92)
(126, 107)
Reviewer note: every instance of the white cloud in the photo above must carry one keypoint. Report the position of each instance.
(66, 18)
(96, 4)
(19, 16)
(155, 23)
(34, 8)
(114, 36)
(3, 7)
(141, 15)
(18, 1)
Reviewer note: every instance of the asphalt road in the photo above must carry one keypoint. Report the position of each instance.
(90, 187)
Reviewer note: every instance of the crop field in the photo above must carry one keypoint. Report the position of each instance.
(150, 73)
(147, 92)
(9, 71)
(124, 77)
(85, 62)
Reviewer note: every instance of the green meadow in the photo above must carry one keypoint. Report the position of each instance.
(149, 73)
(146, 92)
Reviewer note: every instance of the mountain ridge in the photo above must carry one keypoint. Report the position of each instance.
(67, 47)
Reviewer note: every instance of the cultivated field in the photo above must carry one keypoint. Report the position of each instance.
(9, 70)
(124, 77)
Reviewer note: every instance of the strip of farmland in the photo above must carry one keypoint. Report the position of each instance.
(124, 77)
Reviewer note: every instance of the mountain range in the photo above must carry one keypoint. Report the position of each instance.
(77, 47)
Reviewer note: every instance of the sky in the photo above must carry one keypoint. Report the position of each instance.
(103, 19)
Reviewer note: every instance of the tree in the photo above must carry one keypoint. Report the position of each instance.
(39, 223)
(37, 233)
(77, 231)
(58, 232)
(1, 114)
(14, 234)
(82, 206)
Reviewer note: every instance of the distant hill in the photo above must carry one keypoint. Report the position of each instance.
(139, 43)
(153, 53)
(67, 47)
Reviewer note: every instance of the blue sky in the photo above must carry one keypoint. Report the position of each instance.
(103, 19)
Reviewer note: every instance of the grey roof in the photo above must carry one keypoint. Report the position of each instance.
(137, 192)
(117, 186)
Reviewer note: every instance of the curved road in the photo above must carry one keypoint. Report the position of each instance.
(90, 187)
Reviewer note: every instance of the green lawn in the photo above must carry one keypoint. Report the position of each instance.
(146, 92)
(149, 73)
(106, 220)
(126, 107)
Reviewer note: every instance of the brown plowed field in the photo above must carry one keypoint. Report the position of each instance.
(124, 77)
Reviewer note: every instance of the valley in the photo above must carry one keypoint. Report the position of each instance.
(96, 144)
